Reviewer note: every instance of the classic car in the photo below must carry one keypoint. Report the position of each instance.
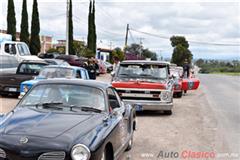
(10, 83)
(73, 60)
(68, 120)
(109, 67)
(54, 71)
(57, 62)
(145, 84)
(8, 64)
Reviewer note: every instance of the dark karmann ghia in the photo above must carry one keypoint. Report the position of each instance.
(67, 120)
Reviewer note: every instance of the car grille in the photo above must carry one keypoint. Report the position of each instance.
(52, 156)
(139, 94)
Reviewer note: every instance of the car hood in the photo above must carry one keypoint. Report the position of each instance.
(139, 84)
(31, 122)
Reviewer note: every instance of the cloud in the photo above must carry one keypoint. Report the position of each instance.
(206, 21)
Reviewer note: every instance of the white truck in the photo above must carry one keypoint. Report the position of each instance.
(18, 49)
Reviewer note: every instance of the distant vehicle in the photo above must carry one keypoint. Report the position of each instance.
(18, 49)
(109, 67)
(102, 67)
(57, 62)
(10, 83)
(145, 84)
(56, 71)
(73, 60)
(49, 55)
(68, 120)
(8, 64)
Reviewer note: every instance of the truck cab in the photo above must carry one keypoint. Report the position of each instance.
(18, 49)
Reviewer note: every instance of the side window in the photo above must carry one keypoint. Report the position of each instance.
(78, 74)
(112, 98)
(83, 74)
(7, 48)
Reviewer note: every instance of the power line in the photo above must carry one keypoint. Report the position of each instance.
(191, 41)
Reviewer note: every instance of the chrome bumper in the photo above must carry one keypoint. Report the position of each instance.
(151, 105)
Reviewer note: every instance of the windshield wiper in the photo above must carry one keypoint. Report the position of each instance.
(51, 105)
(86, 109)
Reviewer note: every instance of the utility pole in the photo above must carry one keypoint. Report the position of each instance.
(67, 30)
(141, 45)
(126, 38)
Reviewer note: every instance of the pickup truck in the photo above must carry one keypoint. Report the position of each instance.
(17, 49)
(10, 82)
(145, 85)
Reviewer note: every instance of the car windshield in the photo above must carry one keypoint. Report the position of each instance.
(23, 50)
(143, 71)
(69, 95)
(30, 68)
(56, 73)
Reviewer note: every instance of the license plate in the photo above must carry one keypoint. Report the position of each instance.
(139, 108)
(12, 89)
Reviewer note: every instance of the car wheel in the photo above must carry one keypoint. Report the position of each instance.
(179, 94)
(169, 112)
(130, 144)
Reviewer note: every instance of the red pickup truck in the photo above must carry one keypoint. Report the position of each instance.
(145, 84)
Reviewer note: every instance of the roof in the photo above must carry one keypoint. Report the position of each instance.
(144, 62)
(61, 66)
(35, 61)
(90, 83)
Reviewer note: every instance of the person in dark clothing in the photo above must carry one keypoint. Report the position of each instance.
(91, 70)
(186, 69)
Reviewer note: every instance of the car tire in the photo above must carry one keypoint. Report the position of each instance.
(168, 112)
(179, 94)
(130, 144)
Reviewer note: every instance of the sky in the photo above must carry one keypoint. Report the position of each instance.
(205, 21)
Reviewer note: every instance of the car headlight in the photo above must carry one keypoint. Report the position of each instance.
(25, 88)
(166, 96)
(80, 152)
(2, 154)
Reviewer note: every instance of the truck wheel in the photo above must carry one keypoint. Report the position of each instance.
(169, 112)
(179, 94)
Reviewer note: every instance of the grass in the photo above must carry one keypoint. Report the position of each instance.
(227, 73)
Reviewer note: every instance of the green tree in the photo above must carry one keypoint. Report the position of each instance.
(134, 48)
(180, 51)
(199, 62)
(70, 31)
(24, 35)
(52, 50)
(35, 44)
(11, 20)
(117, 52)
(149, 54)
(92, 37)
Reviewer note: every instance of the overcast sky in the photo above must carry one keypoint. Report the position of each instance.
(202, 21)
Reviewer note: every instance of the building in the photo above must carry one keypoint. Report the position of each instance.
(46, 41)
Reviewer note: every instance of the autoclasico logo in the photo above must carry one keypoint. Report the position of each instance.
(187, 154)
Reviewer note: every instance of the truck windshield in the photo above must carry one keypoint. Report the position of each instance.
(143, 71)
(56, 73)
(23, 50)
(30, 68)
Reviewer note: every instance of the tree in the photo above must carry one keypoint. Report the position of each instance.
(134, 48)
(92, 37)
(52, 50)
(35, 44)
(180, 51)
(117, 52)
(149, 54)
(199, 62)
(24, 35)
(94, 29)
(70, 31)
(11, 20)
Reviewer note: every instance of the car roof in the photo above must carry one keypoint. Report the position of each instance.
(145, 62)
(35, 61)
(61, 66)
(89, 83)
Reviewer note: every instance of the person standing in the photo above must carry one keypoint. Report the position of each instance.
(186, 69)
(91, 69)
(116, 63)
